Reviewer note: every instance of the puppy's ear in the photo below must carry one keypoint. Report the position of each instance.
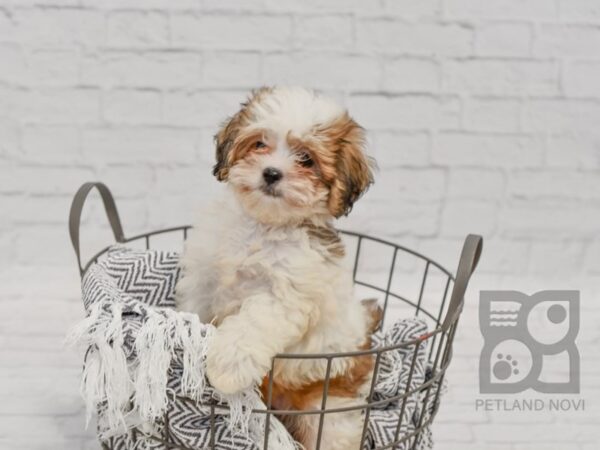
(353, 169)
(224, 140)
(230, 130)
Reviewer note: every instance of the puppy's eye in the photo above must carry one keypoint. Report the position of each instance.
(260, 144)
(304, 159)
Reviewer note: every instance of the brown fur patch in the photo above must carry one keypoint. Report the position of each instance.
(338, 150)
(352, 169)
(244, 144)
(328, 237)
(374, 312)
(229, 132)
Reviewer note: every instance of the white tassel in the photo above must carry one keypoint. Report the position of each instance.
(154, 353)
(106, 380)
(188, 336)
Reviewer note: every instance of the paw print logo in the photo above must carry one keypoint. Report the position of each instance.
(505, 367)
(510, 362)
(523, 335)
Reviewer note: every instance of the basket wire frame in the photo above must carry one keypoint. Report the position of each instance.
(439, 340)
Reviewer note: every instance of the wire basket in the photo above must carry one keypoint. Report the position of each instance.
(380, 269)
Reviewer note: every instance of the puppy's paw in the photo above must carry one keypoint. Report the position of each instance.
(227, 383)
(229, 368)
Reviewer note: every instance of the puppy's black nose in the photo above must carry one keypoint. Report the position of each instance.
(272, 175)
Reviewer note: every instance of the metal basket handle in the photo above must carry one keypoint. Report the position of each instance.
(77, 207)
(469, 258)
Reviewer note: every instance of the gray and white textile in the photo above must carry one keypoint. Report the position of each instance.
(144, 368)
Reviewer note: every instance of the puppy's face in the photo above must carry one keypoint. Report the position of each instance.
(291, 155)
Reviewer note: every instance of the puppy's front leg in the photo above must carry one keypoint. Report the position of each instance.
(241, 351)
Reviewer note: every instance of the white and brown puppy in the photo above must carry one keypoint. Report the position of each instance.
(265, 264)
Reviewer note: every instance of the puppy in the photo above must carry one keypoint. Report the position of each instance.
(265, 265)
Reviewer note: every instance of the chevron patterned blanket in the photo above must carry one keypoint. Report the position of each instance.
(144, 375)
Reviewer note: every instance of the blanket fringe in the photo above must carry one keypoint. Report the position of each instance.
(132, 389)
(106, 380)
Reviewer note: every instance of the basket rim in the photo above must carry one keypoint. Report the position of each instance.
(340, 230)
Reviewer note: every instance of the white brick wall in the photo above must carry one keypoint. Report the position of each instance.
(483, 116)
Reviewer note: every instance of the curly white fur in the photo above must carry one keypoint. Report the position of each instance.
(271, 291)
